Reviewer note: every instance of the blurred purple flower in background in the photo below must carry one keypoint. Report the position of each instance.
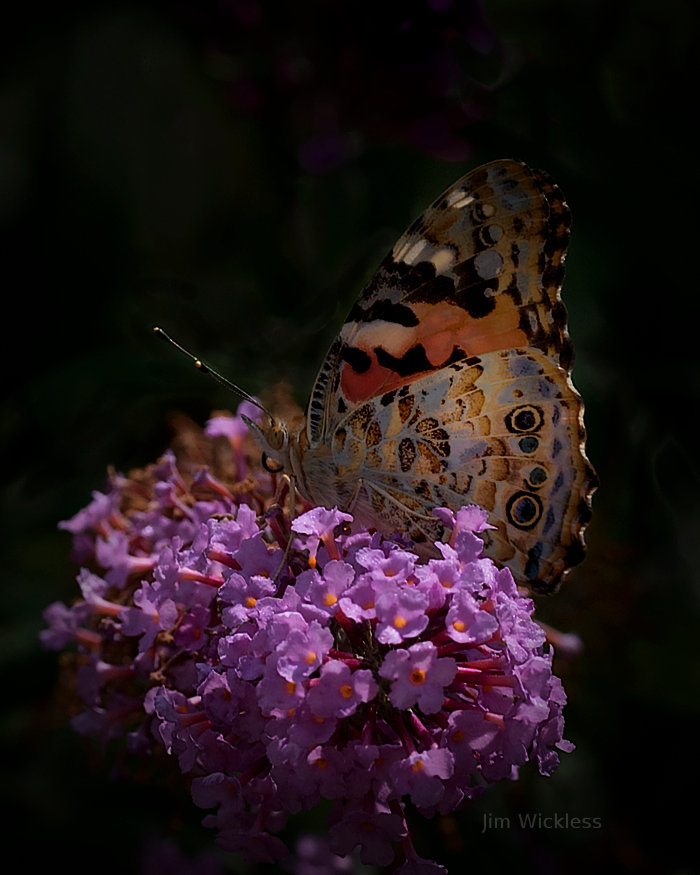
(338, 76)
(288, 661)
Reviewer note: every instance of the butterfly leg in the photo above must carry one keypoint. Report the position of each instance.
(352, 504)
(391, 514)
(284, 535)
(275, 519)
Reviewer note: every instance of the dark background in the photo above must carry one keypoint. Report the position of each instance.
(234, 171)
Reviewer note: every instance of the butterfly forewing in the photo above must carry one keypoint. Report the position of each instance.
(480, 270)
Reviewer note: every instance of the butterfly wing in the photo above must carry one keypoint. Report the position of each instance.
(466, 308)
(480, 270)
(502, 430)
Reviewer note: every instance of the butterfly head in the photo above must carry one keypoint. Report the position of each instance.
(272, 437)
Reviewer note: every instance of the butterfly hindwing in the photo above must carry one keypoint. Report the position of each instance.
(501, 430)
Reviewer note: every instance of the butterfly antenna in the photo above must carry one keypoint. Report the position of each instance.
(205, 369)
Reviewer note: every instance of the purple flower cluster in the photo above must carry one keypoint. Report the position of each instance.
(287, 663)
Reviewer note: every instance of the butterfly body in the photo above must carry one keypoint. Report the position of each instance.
(449, 383)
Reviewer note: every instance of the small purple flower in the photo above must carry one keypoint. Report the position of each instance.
(227, 535)
(308, 729)
(235, 429)
(235, 651)
(325, 589)
(466, 622)
(92, 587)
(218, 789)
(422, 776)
(116, 554)
(320, 522)
(245, 590)
(99, 516)
(66, 625)
(340, 691)
(230, 427)
(191, 631)
(255, 559)
(467, 519)
(418, 676)
(303, 651)
(321, 771)
(375, 832)
(358, 603)
(278, 696)
(150, 615)
(93, 675)
(401, 614)
(384, 569)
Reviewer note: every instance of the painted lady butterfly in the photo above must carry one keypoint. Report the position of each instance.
(449, 383)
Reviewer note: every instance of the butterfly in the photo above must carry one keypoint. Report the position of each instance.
(449, 383)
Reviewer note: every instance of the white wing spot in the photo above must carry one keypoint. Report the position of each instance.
(410, 252)
(459, 199)
(442, 259)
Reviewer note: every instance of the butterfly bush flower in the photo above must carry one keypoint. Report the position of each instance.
(282, 663)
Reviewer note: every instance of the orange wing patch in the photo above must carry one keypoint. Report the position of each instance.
(445, 333)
